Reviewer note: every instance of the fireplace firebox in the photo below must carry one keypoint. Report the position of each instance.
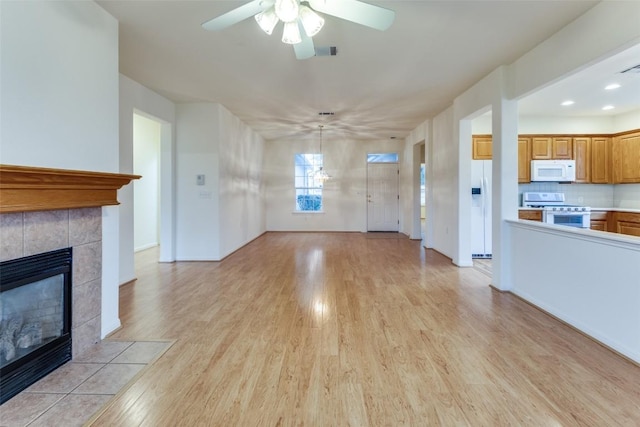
(35, 318)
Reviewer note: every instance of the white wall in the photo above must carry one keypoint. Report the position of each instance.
(242, 212)
(197, 206)
(217, 218)
(551, 125)
(344, 196)
(624, 122)
(58, 114)
(443, 207)
(587, 281)
(146, 163)
(135, 98)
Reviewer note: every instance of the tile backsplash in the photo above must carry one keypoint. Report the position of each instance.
(625, 196)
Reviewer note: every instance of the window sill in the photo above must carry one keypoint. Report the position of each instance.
(308, 212)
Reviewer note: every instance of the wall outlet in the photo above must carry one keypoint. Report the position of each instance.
(581, 200)
(200, 179)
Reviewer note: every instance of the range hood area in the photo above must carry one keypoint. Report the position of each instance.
(553, 170)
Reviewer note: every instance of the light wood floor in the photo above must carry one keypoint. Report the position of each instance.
(337, 329)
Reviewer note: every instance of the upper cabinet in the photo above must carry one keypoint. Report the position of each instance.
(600, 159)
(482, 147)
(626, 157)
(541, 147)
(582, 156)
(561, 148)
(482, 150)
(547, 147)
(524, 160)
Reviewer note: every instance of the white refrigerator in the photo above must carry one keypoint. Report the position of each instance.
(481, 208)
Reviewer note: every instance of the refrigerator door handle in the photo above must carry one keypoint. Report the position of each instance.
(485, 188)
(483, 195)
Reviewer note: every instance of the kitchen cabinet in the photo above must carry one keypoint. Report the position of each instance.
(600, 160)
(599, 221)
(541, 148)
(530, 214)
(524, 160)
(626, 158)
(482, 147)
(561, 148)
(626, 223)
(582, 156)
(482, 150)
(548, 148)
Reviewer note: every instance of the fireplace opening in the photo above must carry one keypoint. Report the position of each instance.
(35, 318)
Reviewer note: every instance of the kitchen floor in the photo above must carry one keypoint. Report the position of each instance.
(484, 266)
(72, 394)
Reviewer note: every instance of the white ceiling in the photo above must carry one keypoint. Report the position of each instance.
(587, 89)
(380, 85)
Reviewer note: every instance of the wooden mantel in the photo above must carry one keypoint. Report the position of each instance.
(24, 188)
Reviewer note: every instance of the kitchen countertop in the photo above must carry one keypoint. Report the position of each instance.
(522, 208)
(616, 209)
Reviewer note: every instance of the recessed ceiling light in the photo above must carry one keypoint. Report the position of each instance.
(567, 103)
(612, 86)
(608, 107)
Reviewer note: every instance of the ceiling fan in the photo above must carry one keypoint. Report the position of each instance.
(301, 22)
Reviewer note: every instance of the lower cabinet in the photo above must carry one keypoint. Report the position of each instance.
(530, 214)
(599, 221)
(625, 223)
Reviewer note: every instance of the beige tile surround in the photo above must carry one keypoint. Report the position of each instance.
(30, 233)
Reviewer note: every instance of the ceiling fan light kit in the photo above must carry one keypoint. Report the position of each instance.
(287, 10)
(267, 20)
(291, 33)
(311, 21)
(296, 15)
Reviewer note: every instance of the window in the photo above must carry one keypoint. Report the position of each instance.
(307, 183)
(382, 158)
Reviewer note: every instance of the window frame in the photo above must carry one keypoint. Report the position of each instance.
(309, 186)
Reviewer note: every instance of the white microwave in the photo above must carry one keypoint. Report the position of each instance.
(553, 170)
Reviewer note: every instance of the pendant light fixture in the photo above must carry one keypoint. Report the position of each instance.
(320, 174)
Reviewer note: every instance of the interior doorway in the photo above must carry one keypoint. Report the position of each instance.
(147, 134)
(383, 195)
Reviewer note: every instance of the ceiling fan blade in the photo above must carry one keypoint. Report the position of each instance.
(305, 49)
(356, 11)
(236, 15)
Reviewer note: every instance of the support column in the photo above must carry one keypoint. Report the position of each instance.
(505, 186)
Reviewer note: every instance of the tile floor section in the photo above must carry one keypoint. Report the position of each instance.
(73, 393)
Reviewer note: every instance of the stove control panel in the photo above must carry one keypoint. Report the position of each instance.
(568, 208)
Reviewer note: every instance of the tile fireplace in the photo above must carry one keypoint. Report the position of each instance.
(35, 318)
(44, 214)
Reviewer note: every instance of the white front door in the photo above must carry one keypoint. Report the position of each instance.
(382, 197)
